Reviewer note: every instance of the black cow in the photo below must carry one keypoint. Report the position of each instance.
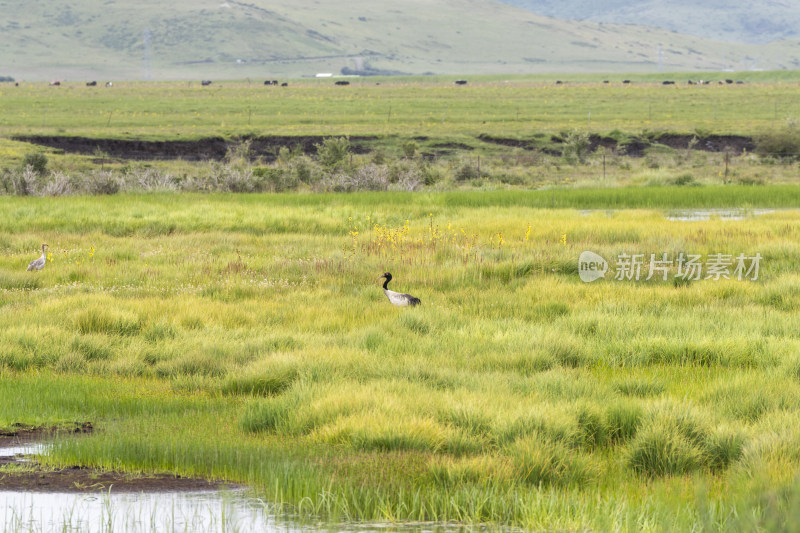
(342, 82)
(205, 82)
(284, 84)
(91, 84)
(667, 82)
(55, 83)
(626, 81)
(460, 82)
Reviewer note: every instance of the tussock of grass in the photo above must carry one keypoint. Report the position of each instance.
(107, 321)
(540, 462)
(265, 378)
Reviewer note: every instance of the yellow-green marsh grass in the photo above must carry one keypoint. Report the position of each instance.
(247, 338)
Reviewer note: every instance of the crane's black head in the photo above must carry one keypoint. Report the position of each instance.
(388, 277)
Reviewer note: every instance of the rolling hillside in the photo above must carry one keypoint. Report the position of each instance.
(756, 21)
(182, 39)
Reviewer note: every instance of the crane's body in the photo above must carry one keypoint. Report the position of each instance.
(398, 298)
(38, 264)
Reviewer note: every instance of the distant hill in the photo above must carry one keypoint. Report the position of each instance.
(754, 21)
(191, 39)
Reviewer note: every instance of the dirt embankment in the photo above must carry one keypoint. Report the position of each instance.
(211, 148)
(266, 148)
(637, 146)
(28, 475)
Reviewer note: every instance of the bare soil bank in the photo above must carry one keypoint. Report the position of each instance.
(211, 148)
(23, 473)
(215, 148)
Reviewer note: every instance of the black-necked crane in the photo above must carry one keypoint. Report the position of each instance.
(38, 264)
(398, 298)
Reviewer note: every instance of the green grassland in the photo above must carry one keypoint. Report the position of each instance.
(495, 132)
(246, 337)
(508, 106)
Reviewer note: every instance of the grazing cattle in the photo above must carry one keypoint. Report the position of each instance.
(626, 81)
(739, 82)
(728, 81)
(205, 82)
(109, 84)
(284, 84)
(667, 82)
(559, 82)
(268, 82)
(342, 82)
(606, 81)
(91, 84)
(460, 82)
(55, 83)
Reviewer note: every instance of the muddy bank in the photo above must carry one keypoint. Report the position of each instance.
(211, 148)
(19, 470)
(636, 146)
(267, 147)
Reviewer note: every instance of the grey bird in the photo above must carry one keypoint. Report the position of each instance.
(398, 298)
(38, 264)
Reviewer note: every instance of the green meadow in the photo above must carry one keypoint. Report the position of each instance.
(245, 337)
(515, 106)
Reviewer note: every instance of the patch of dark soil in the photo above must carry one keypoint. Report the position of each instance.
(23, 473)
(514, 143)
(596, 142)
(211, 148)
(21, 434)
(633, 147)
(636, 146)
(710, 143)
(34, 477)
(451, 145)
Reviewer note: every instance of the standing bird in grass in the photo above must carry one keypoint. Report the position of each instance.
(398, 298)
(38, 264)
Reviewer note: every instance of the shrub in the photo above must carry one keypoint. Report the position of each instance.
(37, 161)
(102, 182)
(466, 171)
(333, 152)
(576, 147)
(409, 149)
(784, 142)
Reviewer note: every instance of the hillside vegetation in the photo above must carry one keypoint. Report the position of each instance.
(759, 21)
(45, 39)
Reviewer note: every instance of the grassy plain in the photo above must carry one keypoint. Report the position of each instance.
(245, 337)
(516, 106)
(506, 132)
